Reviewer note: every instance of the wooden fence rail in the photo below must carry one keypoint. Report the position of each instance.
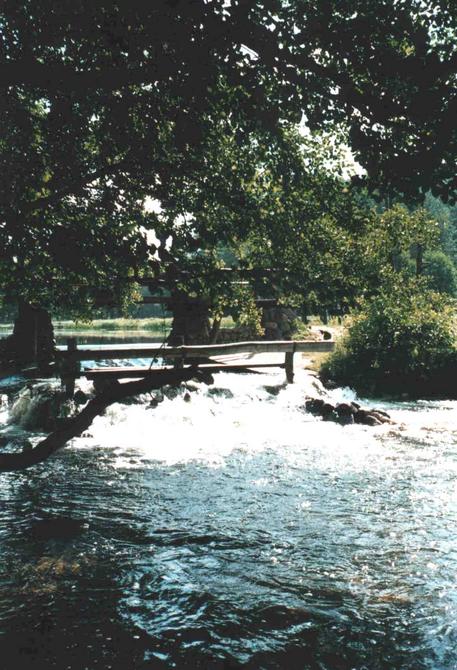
(194, 351)
(69, 359)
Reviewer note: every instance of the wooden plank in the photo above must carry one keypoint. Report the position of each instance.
(153, 351)
(289, 365)
(70, 367)
(133, 372)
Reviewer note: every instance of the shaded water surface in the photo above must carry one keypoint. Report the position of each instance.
(235, 531)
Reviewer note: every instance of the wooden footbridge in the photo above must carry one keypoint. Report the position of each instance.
(233, 357)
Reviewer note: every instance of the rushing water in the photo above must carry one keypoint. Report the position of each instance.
(235, 531)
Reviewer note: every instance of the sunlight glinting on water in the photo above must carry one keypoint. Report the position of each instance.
(242, 413)
(243, 524)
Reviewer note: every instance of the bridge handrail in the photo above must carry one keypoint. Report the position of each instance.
(200, 350)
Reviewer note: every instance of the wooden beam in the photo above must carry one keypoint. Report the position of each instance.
(193, 351)
(70, 367)
(289, 365)
(133, 372)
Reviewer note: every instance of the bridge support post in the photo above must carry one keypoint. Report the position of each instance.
(70, 368)
(289, 366)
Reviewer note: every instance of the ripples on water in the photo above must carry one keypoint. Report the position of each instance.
(236, 532)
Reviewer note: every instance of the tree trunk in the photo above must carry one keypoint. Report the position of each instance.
(215, 329)
(190, 320)
(32, 340)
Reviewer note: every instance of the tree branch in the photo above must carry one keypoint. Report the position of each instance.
(74, 189)
(64, 78)
(76, 425)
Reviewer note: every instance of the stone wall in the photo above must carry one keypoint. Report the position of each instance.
(279, 323)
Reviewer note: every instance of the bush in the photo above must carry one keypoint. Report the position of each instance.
(401, 341)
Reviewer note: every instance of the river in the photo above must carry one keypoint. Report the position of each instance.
(236, 531)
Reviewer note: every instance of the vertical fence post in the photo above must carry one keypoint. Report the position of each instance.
(70, 367)
(289, 365)
(179, 360)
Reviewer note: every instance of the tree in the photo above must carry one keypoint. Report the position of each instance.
(440, 272)
(106, 103)
(282, 219)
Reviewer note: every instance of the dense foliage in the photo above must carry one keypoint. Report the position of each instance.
(190, 104)
(402, 340)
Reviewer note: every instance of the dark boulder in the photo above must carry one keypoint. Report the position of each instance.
(345, 413)
(328, 412)
(80, 398)
(314, 405)
(371, 417)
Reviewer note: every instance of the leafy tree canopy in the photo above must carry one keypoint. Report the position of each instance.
(190, 103)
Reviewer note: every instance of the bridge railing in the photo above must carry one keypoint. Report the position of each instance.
(70, 358)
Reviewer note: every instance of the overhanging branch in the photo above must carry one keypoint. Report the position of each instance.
(76, 425)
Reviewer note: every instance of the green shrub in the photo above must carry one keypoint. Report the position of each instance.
(402, 340)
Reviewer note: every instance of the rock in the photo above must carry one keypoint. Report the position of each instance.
(344, 408)
(345, 413)
(159, 396)
(346, 420)
(220, 392)
(39, 407)
(156, 399)
(279, 322)
(187, 397)
(381, 412)
(171, 392)
(274, 390)
(80, 398)
(330, 384)
(366, 418)
(237, 334)
(383, 417)
(314, 405)
(328, 412)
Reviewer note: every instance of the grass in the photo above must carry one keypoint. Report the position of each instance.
(150, 324)
(315, 360)
(153, 324)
